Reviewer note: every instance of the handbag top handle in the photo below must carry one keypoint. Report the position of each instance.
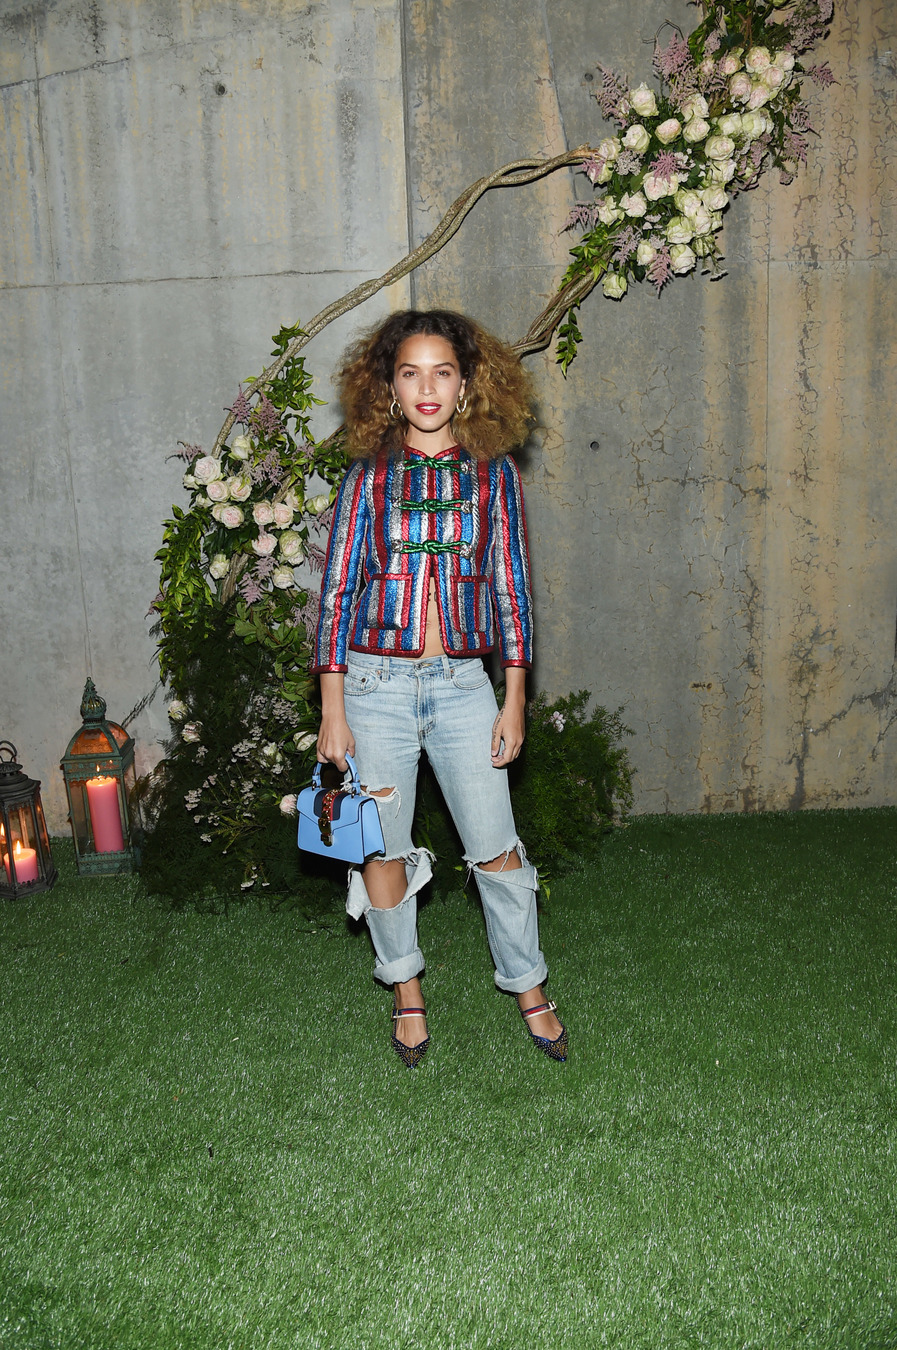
(356, 785)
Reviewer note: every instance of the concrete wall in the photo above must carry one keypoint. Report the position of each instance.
(712, 507)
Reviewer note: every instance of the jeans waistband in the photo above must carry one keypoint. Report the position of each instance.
(390, 666)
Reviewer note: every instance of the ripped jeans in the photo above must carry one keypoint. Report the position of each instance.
(395, 707)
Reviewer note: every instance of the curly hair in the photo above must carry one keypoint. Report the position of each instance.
(498, 389)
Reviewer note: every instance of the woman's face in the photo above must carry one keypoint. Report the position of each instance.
(427, 384)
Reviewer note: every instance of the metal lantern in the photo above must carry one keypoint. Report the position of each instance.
(27, 864)
(99, 777)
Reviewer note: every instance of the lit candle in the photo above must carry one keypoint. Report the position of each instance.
(26, 863)
(105, 820)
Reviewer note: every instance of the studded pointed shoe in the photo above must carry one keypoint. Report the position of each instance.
(410, 1055)
(556, 1049)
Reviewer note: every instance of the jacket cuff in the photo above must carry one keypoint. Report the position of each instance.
(327, 670)
(526, 665)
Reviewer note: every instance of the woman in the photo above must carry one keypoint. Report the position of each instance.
(427, 558)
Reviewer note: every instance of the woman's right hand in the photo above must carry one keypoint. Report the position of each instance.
(335, 739)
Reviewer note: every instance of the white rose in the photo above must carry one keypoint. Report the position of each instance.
(719, 147)
(609, 212)
(241, 447)
(784, 60)
(701, 220)
(206, 469)
(189, 481)
(679, 230)
(265, 544)
(318, 504)
(687, 201)
(291, 546)
(668, 130)
(645, 253)
(773, 78)
(219, 566)
(682, 259)
(707, 67)
(228, 515)
(637, 138)
(729, 64)
(694, 106)
(292, 499)
(757, 59)
(283, 515)
(696, 130)
(218, 491)
(304, 740)
(753, 124)
(715, 198)
(633, 204)
(740, 87)
(239, 486)
(655, 187)
(270, 752)
(191, 732)
(615, 285)
(288, 804)
(604, 174)
(722, 172)
(759, 96)
(716, 220)
(283, 578)
(177, 710)
(729, 124)
(263, 513)
(642, 102)
(609, 148)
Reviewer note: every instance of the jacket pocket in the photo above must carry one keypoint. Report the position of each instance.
(386, 602)
(471, 609)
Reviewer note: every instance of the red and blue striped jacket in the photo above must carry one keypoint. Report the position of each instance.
(400, 519)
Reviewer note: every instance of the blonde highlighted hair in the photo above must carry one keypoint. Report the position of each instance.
(498, 390)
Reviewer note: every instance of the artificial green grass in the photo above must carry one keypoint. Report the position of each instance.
(208, 1142)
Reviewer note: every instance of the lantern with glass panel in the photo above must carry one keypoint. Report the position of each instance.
(99, 777)
(26, 864)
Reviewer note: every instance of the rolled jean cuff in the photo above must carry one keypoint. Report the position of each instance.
(519, 985)
(397, 972)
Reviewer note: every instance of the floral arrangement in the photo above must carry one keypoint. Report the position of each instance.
(238, 598)
(729, 106)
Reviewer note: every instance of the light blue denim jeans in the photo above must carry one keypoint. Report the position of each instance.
(396, 707)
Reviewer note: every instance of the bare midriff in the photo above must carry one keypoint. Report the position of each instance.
(432, 636)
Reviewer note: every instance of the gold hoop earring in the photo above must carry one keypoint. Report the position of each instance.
(461, 406)
(395, 410)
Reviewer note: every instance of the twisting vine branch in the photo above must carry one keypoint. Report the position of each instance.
(515, 174)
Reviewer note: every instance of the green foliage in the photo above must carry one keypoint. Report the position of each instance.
(236, 611)
(214, 804)
(572, 782)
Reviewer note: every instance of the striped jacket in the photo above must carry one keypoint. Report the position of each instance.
(400, 519)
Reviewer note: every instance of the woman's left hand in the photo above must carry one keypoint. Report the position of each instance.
(508, 727)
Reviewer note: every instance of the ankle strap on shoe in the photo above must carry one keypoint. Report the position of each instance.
(539, 1008)
(408, 1012)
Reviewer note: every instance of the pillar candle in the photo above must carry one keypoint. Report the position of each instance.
(26, 863)
(105, 819)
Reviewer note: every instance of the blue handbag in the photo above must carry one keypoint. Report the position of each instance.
(341, 823)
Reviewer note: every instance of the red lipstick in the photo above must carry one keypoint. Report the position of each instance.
(427, 409)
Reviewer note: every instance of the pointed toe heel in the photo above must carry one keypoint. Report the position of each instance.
(410, 1055)
(556, 1049)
